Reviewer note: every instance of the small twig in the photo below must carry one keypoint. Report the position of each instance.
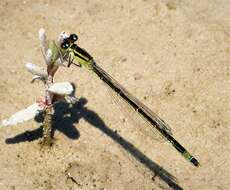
(72, 179)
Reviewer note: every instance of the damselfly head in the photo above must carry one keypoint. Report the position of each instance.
(69, 41)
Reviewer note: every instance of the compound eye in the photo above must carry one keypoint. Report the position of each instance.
(73, 37)
(64, 45)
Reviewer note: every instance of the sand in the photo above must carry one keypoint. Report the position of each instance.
(171, 54)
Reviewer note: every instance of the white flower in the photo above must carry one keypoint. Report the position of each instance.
(62, 88)
(42, 38)
(36, 70)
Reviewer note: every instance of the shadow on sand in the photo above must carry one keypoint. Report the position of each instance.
(66, 116)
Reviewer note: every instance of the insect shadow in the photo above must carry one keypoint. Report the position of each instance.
(65, 116)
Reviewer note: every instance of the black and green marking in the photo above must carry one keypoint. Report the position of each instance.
(84, 58)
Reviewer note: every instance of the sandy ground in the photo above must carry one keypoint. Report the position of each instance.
(173, 55)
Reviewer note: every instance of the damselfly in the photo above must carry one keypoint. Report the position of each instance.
(73, 53)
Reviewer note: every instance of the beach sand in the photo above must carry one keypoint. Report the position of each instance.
(173, 55)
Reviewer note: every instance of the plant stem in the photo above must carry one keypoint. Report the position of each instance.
(47, 127)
